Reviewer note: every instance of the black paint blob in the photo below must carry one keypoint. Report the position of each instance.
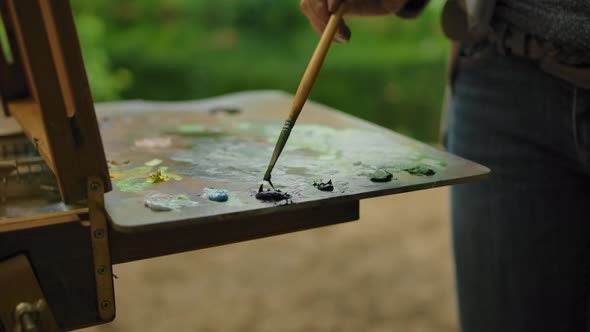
(328, 186)
(381, 175)
(272, 195)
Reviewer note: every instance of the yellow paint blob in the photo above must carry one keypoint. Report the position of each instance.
(161, 175)
(116, 175)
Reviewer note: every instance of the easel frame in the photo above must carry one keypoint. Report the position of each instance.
(54, 106)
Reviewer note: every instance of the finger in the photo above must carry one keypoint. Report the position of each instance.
(343, 33)
(373, 7)
(317, 13)
(333, 5)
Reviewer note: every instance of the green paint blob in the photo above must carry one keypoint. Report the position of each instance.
(132, 185)
(420, 170)
(133, 179)
(154, 162)
(195, 130)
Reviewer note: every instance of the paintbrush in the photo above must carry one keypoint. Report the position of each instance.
(305, 86)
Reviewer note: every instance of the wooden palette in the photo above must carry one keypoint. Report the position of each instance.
(226, 143)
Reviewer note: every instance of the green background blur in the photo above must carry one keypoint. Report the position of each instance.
(391, 73)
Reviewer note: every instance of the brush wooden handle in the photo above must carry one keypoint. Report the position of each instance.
(307, 81)
(315, 64)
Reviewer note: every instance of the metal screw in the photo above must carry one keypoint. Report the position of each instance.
(29, 321)
(105, 304)
(40, 305)
(99, 233)
(101, 269)
(94, 186)
(27, 315)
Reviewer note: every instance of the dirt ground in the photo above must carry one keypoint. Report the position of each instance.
(390, 271)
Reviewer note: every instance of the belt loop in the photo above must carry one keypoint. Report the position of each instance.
(499, 36)
(536, 50)
(517, 43)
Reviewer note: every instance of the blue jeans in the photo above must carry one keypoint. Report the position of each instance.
(521, 237)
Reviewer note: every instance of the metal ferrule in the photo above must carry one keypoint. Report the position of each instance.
(282, 140)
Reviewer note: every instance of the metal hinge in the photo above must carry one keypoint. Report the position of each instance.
(100, 249)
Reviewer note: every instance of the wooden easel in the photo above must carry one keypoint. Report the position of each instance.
(44, 87)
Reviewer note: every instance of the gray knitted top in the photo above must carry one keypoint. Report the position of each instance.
(564, 22)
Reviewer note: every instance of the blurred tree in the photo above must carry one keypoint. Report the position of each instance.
(106, 81)
(391, 73)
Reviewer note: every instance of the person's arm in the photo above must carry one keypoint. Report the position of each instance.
(318, 12)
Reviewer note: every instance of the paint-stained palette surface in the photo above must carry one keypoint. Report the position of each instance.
(180, 149)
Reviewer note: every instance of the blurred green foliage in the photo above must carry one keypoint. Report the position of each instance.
(391, 73)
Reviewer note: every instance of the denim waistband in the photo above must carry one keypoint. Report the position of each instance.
(511, 39)
(569, 65)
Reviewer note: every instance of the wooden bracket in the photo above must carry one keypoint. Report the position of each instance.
(100, 249)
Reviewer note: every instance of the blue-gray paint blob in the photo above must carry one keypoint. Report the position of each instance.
(216, 194)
